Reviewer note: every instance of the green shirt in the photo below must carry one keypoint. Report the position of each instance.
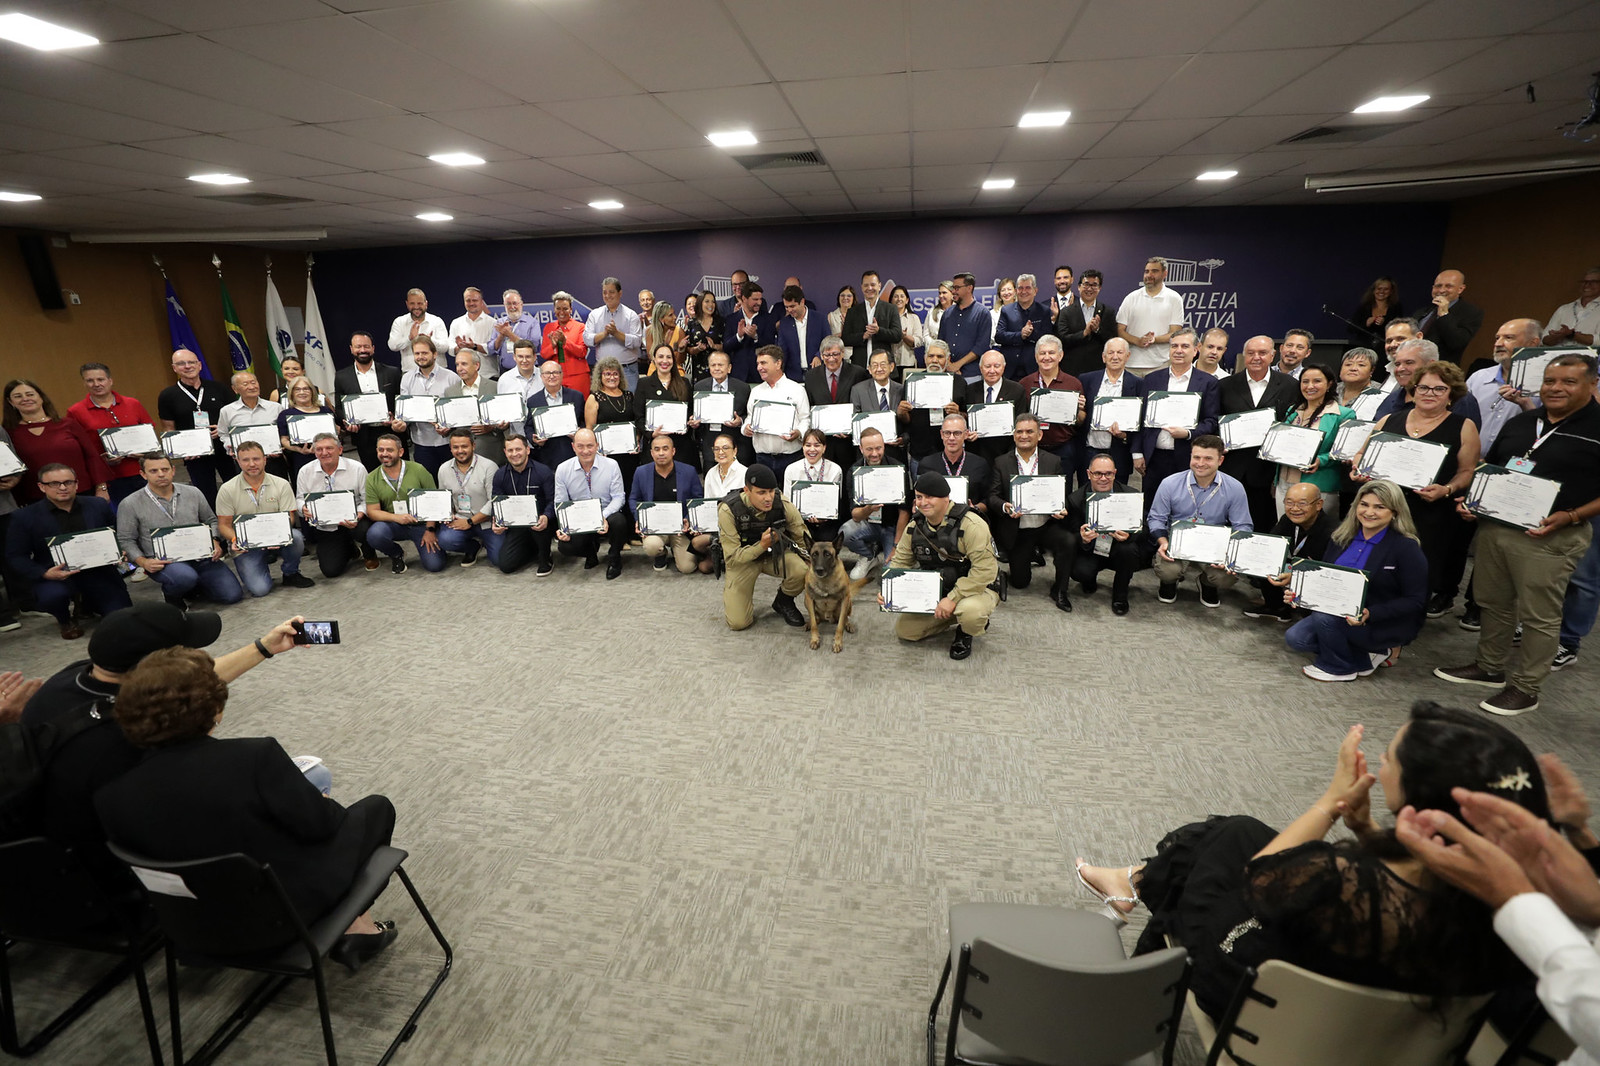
(382, 491)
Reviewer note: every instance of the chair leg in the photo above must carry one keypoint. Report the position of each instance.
(11, 1043)
(172, 1007)
(956, 999)
(322, 1009)
(410, 1027)
(933, 1010)
(146, 1009)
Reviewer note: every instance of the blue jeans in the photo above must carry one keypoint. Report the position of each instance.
(1583, 594)
(254, 566)
(1339, 647)
(212, 577)
(868, 539)
(456, 540)
(384, 538)
(101, 588)
(630, 374)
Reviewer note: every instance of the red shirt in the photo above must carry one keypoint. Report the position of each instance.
(1057, 434)
(575, 370)
(62, 440)
(124, 411)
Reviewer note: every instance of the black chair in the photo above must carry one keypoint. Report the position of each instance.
(48, 896)
(231, 911)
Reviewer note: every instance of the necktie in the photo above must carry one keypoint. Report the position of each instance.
(833, 386)
(883, 398)
(991, 395)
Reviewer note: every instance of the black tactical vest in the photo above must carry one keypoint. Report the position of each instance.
(939, 550)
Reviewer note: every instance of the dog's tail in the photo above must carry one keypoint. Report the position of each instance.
(856, 586)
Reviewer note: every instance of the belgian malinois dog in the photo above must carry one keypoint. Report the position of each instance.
(829, 591)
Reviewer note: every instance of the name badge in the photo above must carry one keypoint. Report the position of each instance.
(464, 504)
(1521, 464)
(1102, 545)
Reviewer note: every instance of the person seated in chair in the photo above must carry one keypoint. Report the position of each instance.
(195, 796)
(1236, 892)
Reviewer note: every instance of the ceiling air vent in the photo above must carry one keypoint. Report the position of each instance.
(783, 160)
(1353, 134)
(259, 199)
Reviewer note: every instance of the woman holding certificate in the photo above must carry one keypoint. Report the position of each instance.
(300, 397)
(40, 436)
(666, 385)
(611, 401)
(1443, 533)
(813, 466)
(1377, 537)
(1318, 410)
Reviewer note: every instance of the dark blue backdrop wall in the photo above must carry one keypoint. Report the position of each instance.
(1248, 270)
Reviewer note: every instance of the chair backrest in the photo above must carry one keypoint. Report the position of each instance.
(1078, 1015)
(1295, 1017)
(46, 893)
(221, 906)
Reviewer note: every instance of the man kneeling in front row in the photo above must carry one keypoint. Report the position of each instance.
(761, 534)
(954, 541)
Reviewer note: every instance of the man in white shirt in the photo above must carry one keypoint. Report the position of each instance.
(613, 330)
(773, 450)
(475, 330)
(1577, 322)
(427, 378)
(416, 322)
(337, 542)
(1213, 346)
(1396, 333)
(250, 410)
(1148, 316)
(523, 377)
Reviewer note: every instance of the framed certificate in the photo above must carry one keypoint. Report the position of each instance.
(1295, 446)
(304, 428)
(1196, 542)
(1257, 554)
(666, 416)
(1327, 589)
(124, 441)
(1038, 494)
(1055, 405)
(816, 499)
(175, 544)
(1526, 372)
(10, 464)
(186, 443)
(456, 412)
(508, 408)
(660, 519)
(1115, 512)
(84, 550)
(1366, 404)
(714, 408)
(415, 408)
(269, 529)
(1247, 429)
(579, 516)
(1178, 410)
(431, 505)
(516, 510)
(774, 417)
(1120, 411)
(959, 488)
(1411, 464)
(930, 390)
(617, 438)
(558, 421)
(992, 419)
(331, 508)
(1511, 497)
(832, 419)
(882, 421)
(266, 436)
(910, 591)
(703, 515)
(1351, 437)
(877, 485)
(365, 408)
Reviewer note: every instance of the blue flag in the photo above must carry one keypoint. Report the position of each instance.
(181, 332)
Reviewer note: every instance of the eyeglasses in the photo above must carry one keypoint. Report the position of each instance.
(1432, 389)
(71, 481)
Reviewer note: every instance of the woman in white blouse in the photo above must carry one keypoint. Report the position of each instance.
(726, 475)
(814, 466)
(947, 296)
(911, 338)
(846, 299)
(1005, 293)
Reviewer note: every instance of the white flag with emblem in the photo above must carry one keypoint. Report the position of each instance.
(319, 360)
(280, 338)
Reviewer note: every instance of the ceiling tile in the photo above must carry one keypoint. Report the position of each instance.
(933, 147)
(84, 83)
(1362, 72)
(649, 33)
(1217, 86)
(1065, 144)
(692, 163)
(522, 128)
(1032, 31)
(315, 142)
(845, 106)
(825, 39)
(1155, 137)
(1236, 136)
(608, 169)
(1000, 96)
(1103, 32)
(1087, 83)
(1451, 19)
(239, 157)
(884, 179)
(1103, 170)
(197, 16)
(628, 123)
(758, 108)
(1276, 21)
(871, 150)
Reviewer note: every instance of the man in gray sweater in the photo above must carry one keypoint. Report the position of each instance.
(163, 505)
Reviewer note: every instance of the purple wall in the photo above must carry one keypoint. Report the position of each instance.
(1271, 268)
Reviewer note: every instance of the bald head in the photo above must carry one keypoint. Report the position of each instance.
(1302, 503)
(1257, 356)
(1517, 333)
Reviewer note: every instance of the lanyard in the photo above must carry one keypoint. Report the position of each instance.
(195, 396)
(814, 473)
(1546, 435)
(1199, 503)
(527, 484)
(170, 512)
(395, 483)
(1022, 469)
(962, 465)
(255, 494)
(461, 482)
(329, 479)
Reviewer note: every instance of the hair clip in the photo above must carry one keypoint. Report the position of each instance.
(1513, 782)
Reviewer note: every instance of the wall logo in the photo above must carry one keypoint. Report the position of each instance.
(1215, 309)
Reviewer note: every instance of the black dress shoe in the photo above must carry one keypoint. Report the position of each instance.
(353, 949)
(1062, 600)
(591, 562)
(785, 607)
(1090, 587)
(613, 567)
(1119, 607)
(961, 646)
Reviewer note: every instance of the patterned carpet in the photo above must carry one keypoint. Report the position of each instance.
(656, 841)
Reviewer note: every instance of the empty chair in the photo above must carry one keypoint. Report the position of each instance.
(1053, 987)
(47, 896)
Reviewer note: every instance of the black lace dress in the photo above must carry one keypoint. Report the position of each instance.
(1334, 909)
(702, 341)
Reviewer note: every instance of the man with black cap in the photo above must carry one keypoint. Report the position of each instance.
(97, 753)
(761, 533)
(953, 540)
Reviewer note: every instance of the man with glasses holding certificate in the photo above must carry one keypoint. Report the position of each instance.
(163, 505)
(1104, 542)
(28, 554)
(1199, 502)
(954, 542)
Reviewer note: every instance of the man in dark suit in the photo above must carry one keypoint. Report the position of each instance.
(1020, 326)
(722, 380)
(1020, 535)
(955, 460)
(747, 329)
(879, 393)
(28, 550)
(1452, 322)
(1256, 386)
(556, 450)
(730, 307)
(366, 375)
(833, 382)
(1166, 448)
(1084, 338)
(665, 480)
(800, 333)
(1114, 380)
(871, 325)
(1117, 551)
(992, 387)
(922, 426)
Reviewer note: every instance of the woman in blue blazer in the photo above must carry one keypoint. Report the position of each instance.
(1378, 537)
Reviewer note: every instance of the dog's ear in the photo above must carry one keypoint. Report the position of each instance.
(838, 542)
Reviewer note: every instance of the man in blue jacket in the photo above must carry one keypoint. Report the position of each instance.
(28, 550)
(665, 481)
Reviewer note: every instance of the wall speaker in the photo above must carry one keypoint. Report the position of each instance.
(36, 257)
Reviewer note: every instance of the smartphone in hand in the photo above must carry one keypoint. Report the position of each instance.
(316, 632)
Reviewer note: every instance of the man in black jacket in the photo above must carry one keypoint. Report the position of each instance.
(1307, 529)
(1256, 386)
(366, 375)
(1452, 322)
(871, 325)
(1084, 326)
(1117, 550)
(1019, 534)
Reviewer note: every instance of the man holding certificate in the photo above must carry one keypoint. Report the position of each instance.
(1115, 389)
(1521, 574)
(777, 441)
(250, 410)
(256, 492)
(922, 422)
(1022, 530)
(730, 401)
(469, 478)
(1206, 497)
(164, 505)
(63, 512)
(878, 394)
(338, 540)
(1105, 542)
(954, 542)
(955, 460)
(664, 481)
(878, 519)
(102, 407)
(831, 383)
(1257, 388)
(389, 488)
(195, 403)
(1172, 422)
(1307, 529)
(428, 445)
(529, 481)
(998, 400)
(366, 377)
(760, 534)
(1061, 434)
(588, 475)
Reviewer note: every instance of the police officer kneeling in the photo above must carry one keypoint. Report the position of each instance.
(761, 533)
(954, 541)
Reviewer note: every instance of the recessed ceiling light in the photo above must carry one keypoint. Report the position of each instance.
(1216, 175)
(45, 36)
(732, 139)
(1033, 119)
(999, 183)
(219, 179)
(435, 216)
(1389, 103)
(457, 159)
(19, 197)
(605, 205)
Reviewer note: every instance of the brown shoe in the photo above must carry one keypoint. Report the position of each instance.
(71, 631)
(372, 564)
(1510, 702)
(1470, 674)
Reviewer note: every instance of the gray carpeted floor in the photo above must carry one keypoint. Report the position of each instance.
(655, 841)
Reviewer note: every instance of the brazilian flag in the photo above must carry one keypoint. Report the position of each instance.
(238, 347)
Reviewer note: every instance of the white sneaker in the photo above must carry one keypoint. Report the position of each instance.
(863, 567)
(1316, 673)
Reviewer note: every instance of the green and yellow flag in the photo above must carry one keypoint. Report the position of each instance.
(238, 347)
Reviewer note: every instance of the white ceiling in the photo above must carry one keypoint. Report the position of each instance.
(911, 102)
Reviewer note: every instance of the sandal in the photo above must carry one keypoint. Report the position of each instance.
(1112, 911)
